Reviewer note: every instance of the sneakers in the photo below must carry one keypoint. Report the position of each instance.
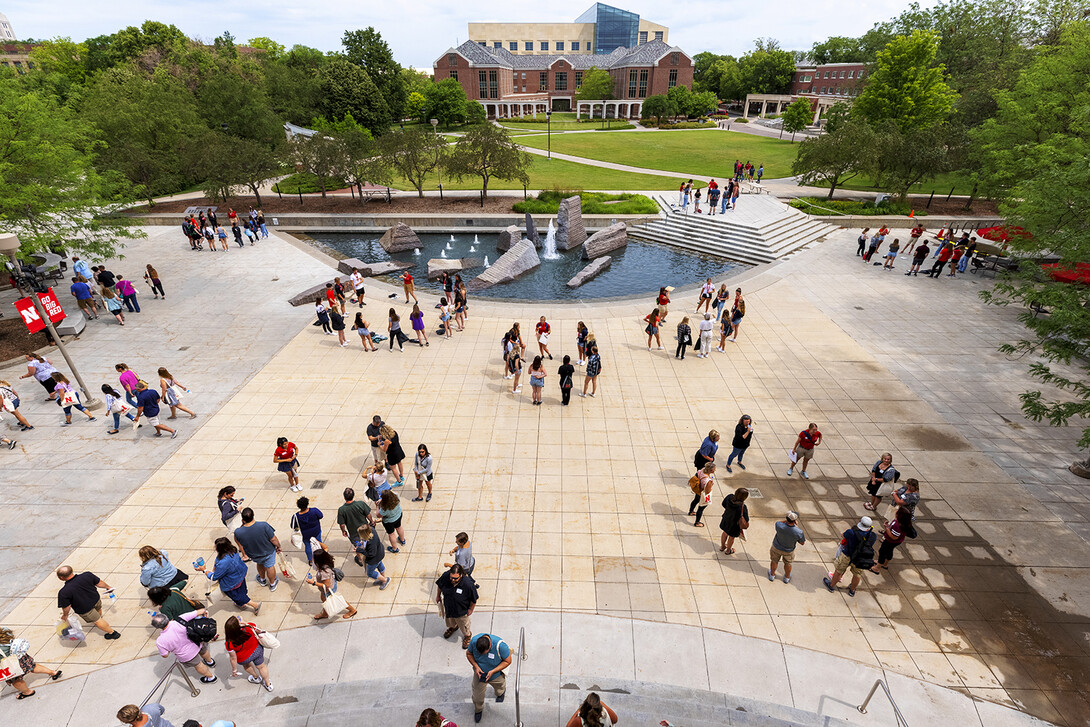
(804, 475)
(388, 582)
(261, 581)
(829, 584)
(209, 680)
(851, 592)
(210, 663)
(477, 716)
(771, 577)
(296, 488)
(499, 697)
(418, 499)
(274, 584)
(740, 465)
(252, 679)
(786, 579)
(727, 467)
(268, 687)
(790, 471)
(428, 498)
(173, 435)
(113, 635)
(11, 444)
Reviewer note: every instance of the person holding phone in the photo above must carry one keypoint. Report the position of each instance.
(743, 436)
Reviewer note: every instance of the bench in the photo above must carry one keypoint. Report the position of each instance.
(993, 264)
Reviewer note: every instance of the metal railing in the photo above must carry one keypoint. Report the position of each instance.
(193, 691)
(901, 722)
(518, 674)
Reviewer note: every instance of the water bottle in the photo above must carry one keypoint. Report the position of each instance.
(111, 595)
(198, 562)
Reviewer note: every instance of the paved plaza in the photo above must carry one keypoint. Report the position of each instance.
(581, 510)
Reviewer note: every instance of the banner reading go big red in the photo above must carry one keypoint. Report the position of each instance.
(29, 313)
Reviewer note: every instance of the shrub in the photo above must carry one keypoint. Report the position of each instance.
(616, 127)
(740, 120)
(862, 207)
(592, 203)
(688, 125)
(306, 183)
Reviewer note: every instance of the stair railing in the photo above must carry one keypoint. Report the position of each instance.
(193, 691)
(901, 722)
(518, 674)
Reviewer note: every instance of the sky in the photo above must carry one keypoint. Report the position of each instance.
(419, 31)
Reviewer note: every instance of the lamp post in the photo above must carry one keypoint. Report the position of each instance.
(9, 244)
(549, 125)
(438, 171)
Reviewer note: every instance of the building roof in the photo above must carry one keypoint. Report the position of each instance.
(645, 54)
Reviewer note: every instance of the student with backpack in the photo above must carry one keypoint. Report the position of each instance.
(187, 637)
(566, 372)
(856, 552)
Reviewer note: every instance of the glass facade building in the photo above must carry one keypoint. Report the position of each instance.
(614, 28)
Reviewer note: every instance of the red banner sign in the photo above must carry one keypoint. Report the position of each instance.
(29, 313)
(52, 306)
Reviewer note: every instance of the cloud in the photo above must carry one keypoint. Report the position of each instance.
(419, 31)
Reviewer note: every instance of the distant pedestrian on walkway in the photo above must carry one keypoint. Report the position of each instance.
(593, 712)
(803, 450)
(489, 656)
(352, 514)
(374, 435)
(68, 398)
(581, 333)
(422, 468)
(257, 540)
(42, 371)
(325, 580)
(237, 232)
(955, 261)
(174, 641)
(684, 338)
(701, 484)
(594, 368)
(360, 327)
(150, 715)
(369, 555)
(245, 650)
(128, 292)
(80, 594)
(652, 329)
(696, 201)
(393, 326)
(537, 380)
(707, 294)
(707, 450)
(84, 298)
(457, 597)
(543, 331)
(566, 374)
(856, 551)
(230, 572)
(152, 277)
(172, 392)
(706, 327)
(735, 519)
(788, 536)
(743, 437)
(891, 254)
(389, 509)
(228, 505)
(721, 298)
(157, 570)
(409, 286)
(357, 287)
(323, 316)
(883, 476)
(286, 458)
(393, 454)
(18, 650)
(861, 252)
(737, 313)
(894, 532)
(514, 368)
(9, 400)
(112, 302)
(416, 318)
(917, 259)
(945, 253)
(463, 554)
(336, 321)
(308, 523)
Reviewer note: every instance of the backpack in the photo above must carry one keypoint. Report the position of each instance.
(200, 630)
(863, 557)
(694, 484)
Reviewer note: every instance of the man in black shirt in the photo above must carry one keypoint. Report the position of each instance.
(105, 277)
(80, 593)
(457, 597)
(373, 435)
(566, 372)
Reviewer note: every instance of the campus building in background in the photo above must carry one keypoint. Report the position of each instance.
(523, 85)
(824, 86)
(601, 30)
(7, 33)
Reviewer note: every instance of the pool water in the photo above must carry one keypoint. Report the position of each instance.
(638, 268)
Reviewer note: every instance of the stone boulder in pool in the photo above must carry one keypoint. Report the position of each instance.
(531, 232)
(597, 266)
(569, 224)
(507, 238)
(399, 238)
(605, 241)
(520, 259)
(439, 265)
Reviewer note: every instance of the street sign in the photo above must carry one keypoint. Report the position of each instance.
(29, 313)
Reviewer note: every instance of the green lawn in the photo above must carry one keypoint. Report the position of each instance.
(940, 185)
(705, 153)
(545, 174)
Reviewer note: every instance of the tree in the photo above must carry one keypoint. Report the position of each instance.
(909, 157)
(226, 96)
(730, 81)
(320, 155)
(230, 162)
(680, 101)
(107, 51)
(836, 157)
(63, 60)
(53, 193)
(766, 69)
(797, 116)
(416, 105)
(415, 81)
(447, 102)
(836, 115)
(273, 51)
(367, 49)
(488, 152)
(413, 154)
(703, 102)
(358, 155)
(348, 89)
(906, 86)
(837, 49)
(658, 107)
(597, 85)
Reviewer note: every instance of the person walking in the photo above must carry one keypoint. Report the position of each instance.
(308, 523)
(42, 371)
(593, 712)
(663, 302)
(172, 391)
(684, 338)
(707, 294)
(743, 437)
(856, 551)
(230, 572)
(894, 532)
(788, 536)
(157, 570)
(84, 299)
(918, 258)
(113, 305)
(566, 374)
(701, 484)
(222, 235)
(352, 514)
(514, 366)
(128, 380)
(734, 196)
(286, 458)
(409, 286)
(721, 298)
(360, 326)
(228, 506)
(883, 475)
(537, 380)
(737, 313)
(245, 650)
(150, 715)
(593, 370)
(19, 651)
(336, 321)
(369, 554)
(257, 541)
(80, 594)
(10, 401)
(128, 294)
(417, 320)
(68, 398)
(735, 519)
(945, 253)
(325, 580)
(422, 468)
(171, 602)
(543, 330)
(489, 655)
(392, 453)
(707, 450)
(151, 276)
(803, 450)
(652, 329)
(393, 326)
(706, 327)
(322, 312)
(236, 232)
(457, 597)
(175, 641)
(389, 509)
(463, 554)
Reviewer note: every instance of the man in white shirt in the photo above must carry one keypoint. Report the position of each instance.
(357, 285)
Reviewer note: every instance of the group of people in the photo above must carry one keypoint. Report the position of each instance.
(115, 293)
(513, 350)
(958, 253)
(729, 325)
(204, 228)
(723, 199)
(856, 550)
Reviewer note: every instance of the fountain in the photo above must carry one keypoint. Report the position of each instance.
(486, 263)
(452, 238)
(448, 247)
(416, 251)
(550, 252)
(476, 241)
(443, 253)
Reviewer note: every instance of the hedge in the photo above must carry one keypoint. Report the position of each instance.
(592, 203)
(861, 207)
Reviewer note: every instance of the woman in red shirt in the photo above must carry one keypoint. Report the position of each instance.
(286, 459)
(410, 287)
(543, 330)
(803, 450)
(244, 648)
(652, 330)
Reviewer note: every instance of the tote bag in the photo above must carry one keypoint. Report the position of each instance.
(334, 603)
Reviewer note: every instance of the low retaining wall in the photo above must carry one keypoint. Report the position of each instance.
(931, 222)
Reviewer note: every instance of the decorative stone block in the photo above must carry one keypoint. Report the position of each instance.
(569, 224)
(597, 266)
(399, 238)
(605, 241)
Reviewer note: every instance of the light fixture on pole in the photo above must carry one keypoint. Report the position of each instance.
(549, 124)
(438, 171)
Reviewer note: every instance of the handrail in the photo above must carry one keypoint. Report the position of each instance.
(901, 721)
(518, 674)
(193, 691)
(819, 207)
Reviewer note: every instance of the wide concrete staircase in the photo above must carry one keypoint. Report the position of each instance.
(763, 229)
(544, 702)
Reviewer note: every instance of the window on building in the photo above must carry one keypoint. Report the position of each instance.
(528, 45)
(513, 45)
(452, 59)
(543, 45)
(807, 78)
(560, 45)
(643, 84)
(823, 89)
(675, 59)
(561, 81)
(643, 37)
(826, 74)
(482, 84)
(673, 78)
(578, 79)
(851, 74)
(497, 44)
(632, 84)
(543, 81)
(861, 74)
(524, 89)
(658, 35)
(575, 45)
(483, 44)
(524, 75)
(454, 73)
(493, 84)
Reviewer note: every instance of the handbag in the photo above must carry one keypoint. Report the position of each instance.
(235, 522)
(296, 536)
(10, 668)
(176, 391)
(286, 568)
(694, 484)
(267, 639)
(9, 405)
(334, 604)
(68, 398)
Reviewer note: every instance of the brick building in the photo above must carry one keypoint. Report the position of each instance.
(823, 86)
(601, 29)
(522, 85)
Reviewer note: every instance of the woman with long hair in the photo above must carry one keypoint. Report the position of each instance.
(68, 397)
(157, 570)
(705, 479)
(460, 307)
(743, 437)
(172, 390)
(394, 328)
(422, 468)
(286, 457)
(537, 379)
(581, 333)
(113, 304)
(323, 316)
(735, 519)
(594, 367)
(389, 508)
(128, 380)
(228, 506)
(42, 371)
(652, 329)
(430, 718)
(593, 713)
(325, 580)
(245, 650)
(360, 327)
(20, 649)
(394, 454)
(230, 572)
(153, 280)
(417, 320)
(9, 399)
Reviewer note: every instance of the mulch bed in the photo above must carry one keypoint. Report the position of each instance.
(272, 205)
(980, 208)
(14, 340)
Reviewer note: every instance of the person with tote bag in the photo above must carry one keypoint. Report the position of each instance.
(325, 580)
(246, 649)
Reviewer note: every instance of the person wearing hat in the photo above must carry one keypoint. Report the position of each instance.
(788, 535)
(856, 552)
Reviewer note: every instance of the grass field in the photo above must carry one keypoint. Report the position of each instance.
(704, 153)
(941, 184)
(545, 174)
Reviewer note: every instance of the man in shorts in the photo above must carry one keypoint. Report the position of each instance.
(803, 451)
(147, 405)
(357, 287)
(856, 552)
(80, 594)
(175, 641)
(788, 536)
(258, 542)
(84, 299)
(917, 259)
(375, 438)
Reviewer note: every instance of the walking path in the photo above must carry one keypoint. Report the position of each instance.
(581, 510)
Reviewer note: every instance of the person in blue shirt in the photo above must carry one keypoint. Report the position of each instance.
(230, 572)
(707, 450)
(147, 404)
(82, 293)
(489, 656)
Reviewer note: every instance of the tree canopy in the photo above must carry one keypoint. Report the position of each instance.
(906, 86)
(597, 85)
(488, 152)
